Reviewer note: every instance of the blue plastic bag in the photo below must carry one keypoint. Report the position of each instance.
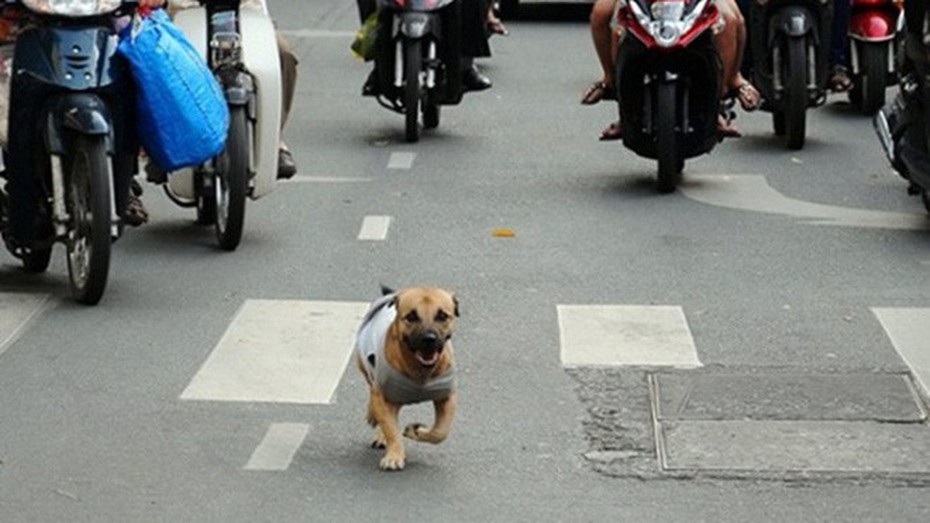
(182, 112)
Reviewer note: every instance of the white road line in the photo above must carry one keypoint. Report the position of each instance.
(753, 193)
(277, 449)
(909, 332)
(326, 179)
(401, 160)
(286, 351)
(374, 228)
(17, 311)
(611, 335)
(318, 33)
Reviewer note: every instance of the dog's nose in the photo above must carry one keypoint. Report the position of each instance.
(429, 338)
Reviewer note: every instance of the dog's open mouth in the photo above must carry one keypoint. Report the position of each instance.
(427, 359)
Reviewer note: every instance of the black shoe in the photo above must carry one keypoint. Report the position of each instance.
(371, 85)
(473, 80)
(287, 168)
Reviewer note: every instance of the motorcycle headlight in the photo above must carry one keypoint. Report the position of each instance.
(72, 7)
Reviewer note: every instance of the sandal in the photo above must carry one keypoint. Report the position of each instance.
(496, 27)
(840, 81)
(726, 129)
(614, 131)
(596, 92)
(135, 213)
(748, 96)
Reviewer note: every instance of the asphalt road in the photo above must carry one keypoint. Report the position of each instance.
(778, 261)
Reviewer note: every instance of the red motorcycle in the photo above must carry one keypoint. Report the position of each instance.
(875, 45)
(669, 76)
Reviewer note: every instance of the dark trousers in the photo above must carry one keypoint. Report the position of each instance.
(474, 27)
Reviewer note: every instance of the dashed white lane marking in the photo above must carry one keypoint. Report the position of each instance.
(602, 335)
(287, 351)
(326, 179)
(277, 449)
(374, 228)
(318, 33)
(909, 332)
(401, 160)
(753, 193)
(17, 311)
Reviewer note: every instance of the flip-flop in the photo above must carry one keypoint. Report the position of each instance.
(497, 27)
(596, 92)
(749, 97)
(614, 131)
(727, 130)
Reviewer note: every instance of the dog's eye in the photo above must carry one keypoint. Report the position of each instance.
(412, 317)
(441, 316)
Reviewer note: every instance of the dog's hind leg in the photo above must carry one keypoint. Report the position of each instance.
(445, 411)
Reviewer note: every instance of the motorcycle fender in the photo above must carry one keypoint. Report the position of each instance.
(82, 113)
(417, 25)
(792, 21)
(873, 26)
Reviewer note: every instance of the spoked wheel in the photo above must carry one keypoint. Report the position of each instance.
(670, 160)
(796, 106)
(231, 182)
(88, 204)
(413, 63)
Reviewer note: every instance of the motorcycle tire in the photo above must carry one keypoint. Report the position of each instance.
(231, 181)
(778, 123)
(670, 161)
(431, 111)
(925, 199)
(796, 106)
(413, 63)
(206, 203)
(88, 204)
(874, 77)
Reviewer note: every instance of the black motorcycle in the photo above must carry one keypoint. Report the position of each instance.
(72, 147)
(418, 60)
(790, 44)
(903, 126)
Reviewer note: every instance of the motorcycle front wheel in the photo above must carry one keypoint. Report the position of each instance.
(231, 182)
(669, 157)
(871, 83)
(413, 60)
(796, 106)
(88, 203)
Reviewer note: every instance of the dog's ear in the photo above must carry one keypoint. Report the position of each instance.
(385, 290)
(455, 303)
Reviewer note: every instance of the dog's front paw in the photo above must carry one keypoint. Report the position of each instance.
(414, 430)
(392, 462)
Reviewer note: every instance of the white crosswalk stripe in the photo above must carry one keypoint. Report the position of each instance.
(17, 310)
(608, 335)
(909, 331)
(282, 351)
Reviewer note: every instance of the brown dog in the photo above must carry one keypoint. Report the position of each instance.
(404, 352)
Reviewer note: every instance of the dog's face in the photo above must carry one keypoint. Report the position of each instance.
(426, 320)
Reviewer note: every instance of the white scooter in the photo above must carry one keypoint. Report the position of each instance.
(241, 49)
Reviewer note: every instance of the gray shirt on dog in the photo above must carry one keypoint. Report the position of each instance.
(396, 387)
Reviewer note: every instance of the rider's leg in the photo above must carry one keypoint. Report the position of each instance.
(286, 165)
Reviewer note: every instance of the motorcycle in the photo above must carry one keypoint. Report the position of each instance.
(903, 126)
(668, 78)
(790, 42)
(72, 148)
(874, 29)
(418, 65)
(240, 48)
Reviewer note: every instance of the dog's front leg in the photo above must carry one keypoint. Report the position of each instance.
(385, 415)
(445, 411)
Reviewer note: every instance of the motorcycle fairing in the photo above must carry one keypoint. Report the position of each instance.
(640, 19)
(794, 21)
(84, 113)
(696, 70)
(87, 57)
(415, 5)
(416, 25)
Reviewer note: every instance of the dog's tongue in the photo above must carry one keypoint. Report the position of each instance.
(428, 359)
